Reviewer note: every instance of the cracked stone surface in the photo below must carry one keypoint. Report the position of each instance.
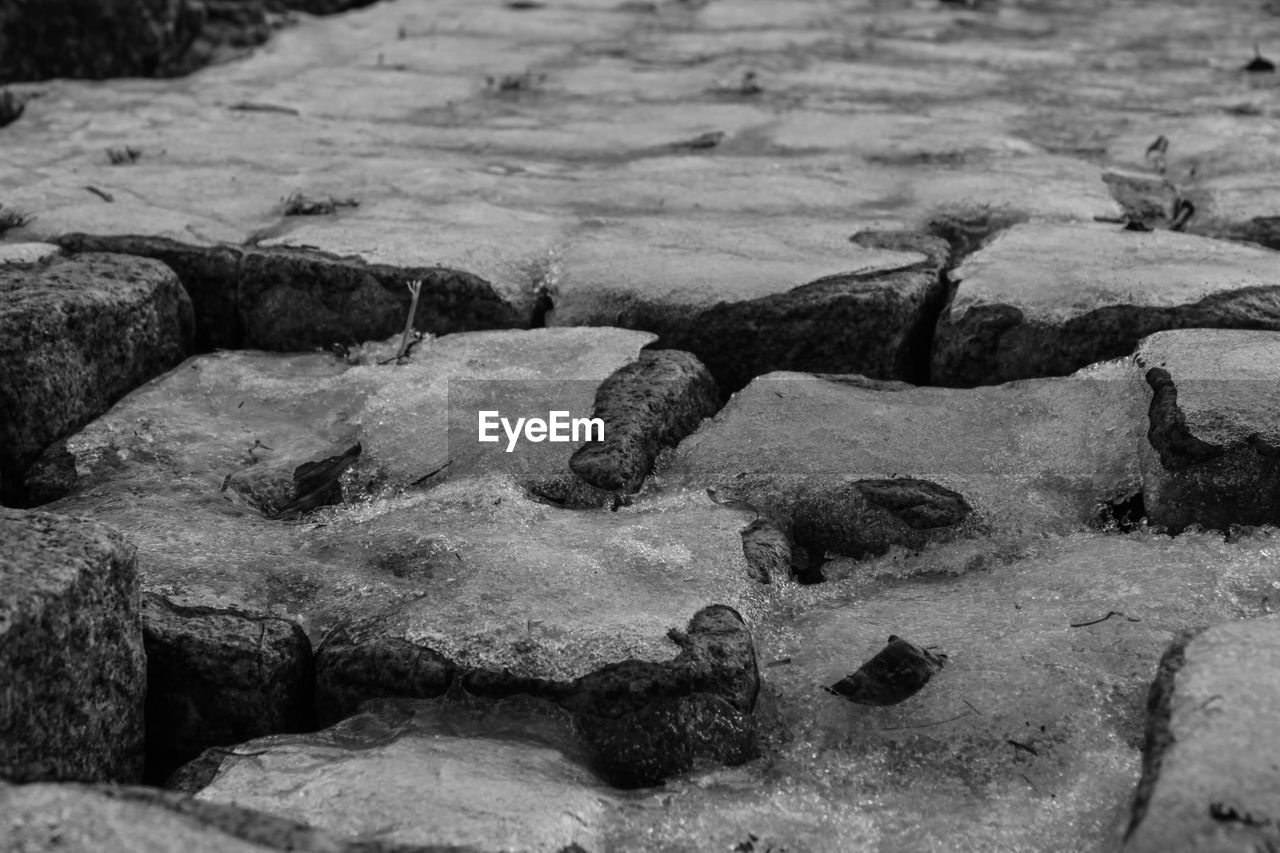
(926, 192)
(1209, 781)
(1212, 454)
(1045, 300)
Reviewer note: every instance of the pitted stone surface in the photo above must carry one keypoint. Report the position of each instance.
(76, 335)
(1212, 454)
(1042, 300)
(71, 653)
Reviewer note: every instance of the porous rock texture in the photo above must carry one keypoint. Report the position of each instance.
(76, 334)
(1209, 781)
(1212, 454)
(71, 652)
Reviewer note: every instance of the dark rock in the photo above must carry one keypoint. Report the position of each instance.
(650, 403)
(285, 490)
(210, 275)
(352, 668)
(71, 654)
(75, 335)
(52, 476)
(95, 39)
(766, 549)
(897, 672)
(647, 746)
(217, 677)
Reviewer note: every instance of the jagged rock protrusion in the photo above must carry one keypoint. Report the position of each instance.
(653, 402)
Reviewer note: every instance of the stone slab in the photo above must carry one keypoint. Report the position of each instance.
(1209, 773)
(1047, 299)
(1213, 427)
(75, 336)
(71, 652)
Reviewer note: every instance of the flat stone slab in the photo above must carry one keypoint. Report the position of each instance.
(1209, 771)
(1039, 455)
(1213, 434)
(1047, 299)
(71, 653)
(445, 775)
(76, 335)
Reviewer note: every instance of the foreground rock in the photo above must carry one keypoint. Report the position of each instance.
(847, 308)
(71, 653)
(44, 818)
(219, 677)
(506, 778)
(1209, 766)
(857, 467)
(1045, 299)
(1212, 454)
(75, 336)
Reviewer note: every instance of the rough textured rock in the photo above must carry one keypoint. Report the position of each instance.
(1212, 450)
(858, 309)
(75, 336)
(508, 777)
(43, 818)
(71, 654)
(856, 466)
(1046, 299)
(86, 38)
(767, 549)
(1209, 767)
(351, 669)
(218, 677)
(653, 402)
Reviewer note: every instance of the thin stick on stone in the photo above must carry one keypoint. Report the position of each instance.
(415, 287)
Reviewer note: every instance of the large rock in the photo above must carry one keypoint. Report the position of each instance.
(502, 778)
(1212, 454)
(86, 38)
(75, 336)
(804, 299)
(854, 466)
(218, 677)
(1047, 299)
(45, 818)
(71, 653)
(1209, 782)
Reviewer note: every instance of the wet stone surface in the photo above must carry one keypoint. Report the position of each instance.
(947, 322)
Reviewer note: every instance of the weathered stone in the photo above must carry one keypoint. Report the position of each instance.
(1212, 451)
(218, 677)
(1044, 299)
(85, 38)
(1209, 778)
(799, 303)
(897, 672)
(506, 777)
(71, 654)
(75, 336)
(767, 550)
(352, 668)
(44, 818)
(856, 466)
(27, 253)
(651, 403)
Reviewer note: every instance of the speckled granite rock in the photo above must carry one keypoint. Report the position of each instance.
(1046, 299)
(71, 653)
(1209, 781)
(1212, 452)
(75, 336)
(218, 677)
